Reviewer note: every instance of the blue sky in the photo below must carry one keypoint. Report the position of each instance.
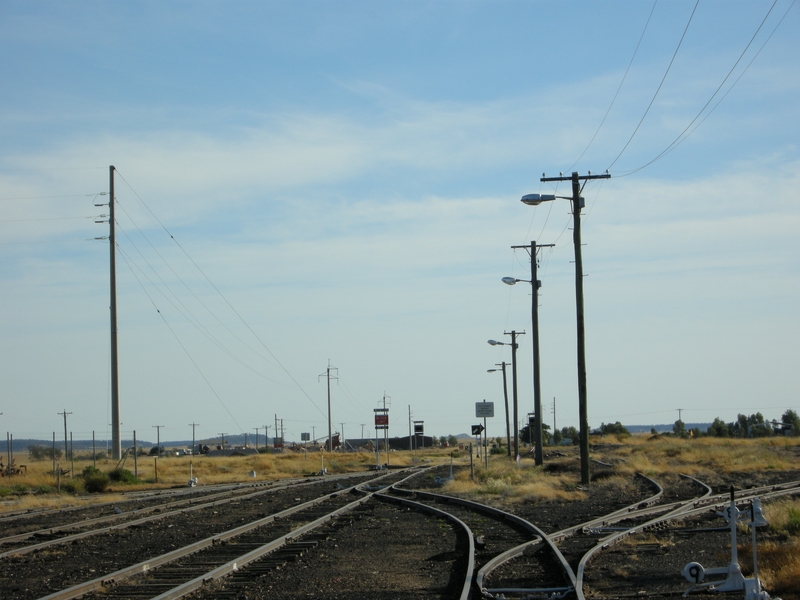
(341, 181)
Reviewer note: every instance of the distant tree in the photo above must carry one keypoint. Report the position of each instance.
(791, 418)
(572, 434)
(557, 437)
(752, 426)
(613, 429)
(37, 452)
(526, 434)
(718, 428)
(679, 429)
(442, 440)
(452, 440)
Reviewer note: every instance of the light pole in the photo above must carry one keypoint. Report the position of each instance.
(158, 438)
(577, 205)
(505, 395)
(514, 347)
(537, 385)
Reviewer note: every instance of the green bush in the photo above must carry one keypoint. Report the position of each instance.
(122, 476)
(793, 523)
(71, 486)
(94, 480)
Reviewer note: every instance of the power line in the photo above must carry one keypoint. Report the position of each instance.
(177, 339)
(659, 86)
(683, 135)
(241, 319)
(639, 43)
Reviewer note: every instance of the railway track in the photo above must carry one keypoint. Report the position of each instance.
(58, 524)
(580, 544)
(484, 552)
(32, 570)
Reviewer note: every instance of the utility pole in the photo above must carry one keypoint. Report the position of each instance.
(362, 429)
(193, 424)
(503, 366)
(555, 427)
(158, 438)
(222, 440)
(410, 445)
(514, 347)
(66, 446)
(583, 410)
(537, 386)
(329, 376)
(275, 435)
(342, 441)
(266, 436)
(256, 428)
(679, 414)
(116, 441)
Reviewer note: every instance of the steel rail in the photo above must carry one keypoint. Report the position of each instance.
(623, 512)
(126, 497)
(550, 540)
(116, 517)
(132, 523)
(465, 589)
(661, 508)
(541, 536)
(690, 509)
(81, 589)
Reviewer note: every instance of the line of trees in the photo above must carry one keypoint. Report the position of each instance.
(745, 426)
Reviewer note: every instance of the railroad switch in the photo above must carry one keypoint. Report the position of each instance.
(734, 580)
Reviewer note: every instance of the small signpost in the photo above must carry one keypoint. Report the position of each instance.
(381, 424)
(484, 409)
(419, 429)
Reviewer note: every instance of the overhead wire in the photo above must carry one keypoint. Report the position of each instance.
(621, 83)
(222, 296)
(658, 89)
(684, 135)
(185, 285)
(184, 310)
(177, 339)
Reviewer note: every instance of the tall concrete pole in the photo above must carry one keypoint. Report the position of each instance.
(116, 441)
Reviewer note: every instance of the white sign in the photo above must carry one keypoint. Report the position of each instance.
(484, 409)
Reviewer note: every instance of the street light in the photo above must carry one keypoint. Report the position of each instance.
(577, 204)
(537, 386)
(514, 347)
(505, 395)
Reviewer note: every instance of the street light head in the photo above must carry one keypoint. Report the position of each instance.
(487, 370)
(495, 343)
(536, 199)
(510, 280)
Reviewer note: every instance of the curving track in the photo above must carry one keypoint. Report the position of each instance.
(239, 539)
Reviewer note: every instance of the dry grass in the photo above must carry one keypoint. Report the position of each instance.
(510, 485)
(37, 488)
(704, 455)
(779, 556)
